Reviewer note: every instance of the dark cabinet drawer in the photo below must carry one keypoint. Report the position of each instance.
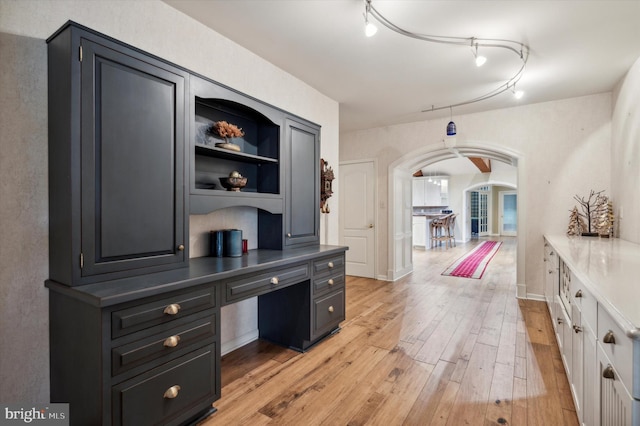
(328, 265)
(257, 284)
(328, 311)
(165, 345)
(328, 283)
(153, 313)
(163, 394)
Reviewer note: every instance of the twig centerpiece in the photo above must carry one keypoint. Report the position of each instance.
(225, 131)
(589, 207)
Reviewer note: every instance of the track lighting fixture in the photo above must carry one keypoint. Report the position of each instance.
(480, 60)
(518, 48)
(369, 28)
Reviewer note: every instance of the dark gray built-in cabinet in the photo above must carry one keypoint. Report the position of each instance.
(135, 323)
(117, 133)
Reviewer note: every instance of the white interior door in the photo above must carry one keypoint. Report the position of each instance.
(357, 217)
(508, 205)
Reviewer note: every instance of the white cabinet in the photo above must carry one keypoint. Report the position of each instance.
(600, 350)
(434, 193)
(616, 407)
(419, 231)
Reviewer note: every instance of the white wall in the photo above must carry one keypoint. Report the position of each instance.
(564, 145)
(157, 28)
(625, 155)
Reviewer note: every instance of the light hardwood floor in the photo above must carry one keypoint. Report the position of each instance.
(425, 350)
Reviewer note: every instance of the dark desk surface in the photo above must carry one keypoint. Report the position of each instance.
(201, 270)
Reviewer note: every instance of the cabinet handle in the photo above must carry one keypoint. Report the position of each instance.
(551, 253)
(550, 271)
(609, 338)
(172, 309)
(559, 320)
(607, 373)
(172, 392)
(577, 328)
(330, 309)
(172, 341)
(181, 247)
(330, 282)
(578, 293)
(274, 280)
(288, 234)
(330, 264)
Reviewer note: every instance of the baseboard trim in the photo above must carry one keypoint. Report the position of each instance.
(239, 341)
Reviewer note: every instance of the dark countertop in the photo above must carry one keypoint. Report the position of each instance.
(201, 270)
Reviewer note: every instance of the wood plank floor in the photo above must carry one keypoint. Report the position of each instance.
(425, 350)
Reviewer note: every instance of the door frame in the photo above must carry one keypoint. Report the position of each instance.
(444, 150)
(374, 163)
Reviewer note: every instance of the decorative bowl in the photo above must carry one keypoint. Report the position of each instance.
(234, 183)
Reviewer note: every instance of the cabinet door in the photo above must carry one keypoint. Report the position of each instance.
(418, 187)
(616, 405)
(577, 362)
(132, 142)
(302, 216)
(589, 378)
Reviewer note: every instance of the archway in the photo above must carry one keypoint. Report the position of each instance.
(399, 199)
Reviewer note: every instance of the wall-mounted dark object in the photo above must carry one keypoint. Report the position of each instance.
(326, 177)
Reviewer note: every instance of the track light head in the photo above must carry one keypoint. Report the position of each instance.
(369, 29)
(480, 60)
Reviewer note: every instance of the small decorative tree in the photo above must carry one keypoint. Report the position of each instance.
(604, 216)
(576, 223)
(588, 210)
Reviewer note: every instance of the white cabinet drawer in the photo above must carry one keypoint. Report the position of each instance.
(617, 346)
(587, 303)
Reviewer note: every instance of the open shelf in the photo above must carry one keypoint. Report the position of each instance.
(213, 151)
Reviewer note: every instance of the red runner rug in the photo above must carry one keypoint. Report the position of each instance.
(473, 264)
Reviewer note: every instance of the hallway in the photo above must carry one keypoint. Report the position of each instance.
(424, 350)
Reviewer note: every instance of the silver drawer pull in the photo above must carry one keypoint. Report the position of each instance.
(330, 309)
(578, 293)
(607, 373)
(172, 309)
(274, 280)
(330, 264)
(609, 338)
(577, 328)
(330, 282)
(172, 341)
(172, 392)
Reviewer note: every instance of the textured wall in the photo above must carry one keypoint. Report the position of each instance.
(24, 252)
(150, 25)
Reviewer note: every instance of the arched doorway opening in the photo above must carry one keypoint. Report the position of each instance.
(399, 259)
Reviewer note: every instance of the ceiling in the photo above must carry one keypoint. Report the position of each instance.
(576, 48)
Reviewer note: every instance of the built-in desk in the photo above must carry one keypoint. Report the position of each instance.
(146, 350)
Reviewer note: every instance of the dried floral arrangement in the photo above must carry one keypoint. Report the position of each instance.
(226, 130)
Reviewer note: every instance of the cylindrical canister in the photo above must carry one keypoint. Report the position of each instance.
(233, 242)
(216, 241)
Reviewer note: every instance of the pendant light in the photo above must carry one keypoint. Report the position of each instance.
(451, 127)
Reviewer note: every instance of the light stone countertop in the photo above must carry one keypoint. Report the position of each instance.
(610, 269)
